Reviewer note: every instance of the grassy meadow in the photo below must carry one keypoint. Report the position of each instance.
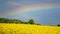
(28, 29)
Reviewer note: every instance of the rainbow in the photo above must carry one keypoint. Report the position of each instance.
(24, 9)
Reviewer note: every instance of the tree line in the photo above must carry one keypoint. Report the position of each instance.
(16, 21)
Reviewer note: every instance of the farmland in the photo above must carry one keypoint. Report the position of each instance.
(28, 29)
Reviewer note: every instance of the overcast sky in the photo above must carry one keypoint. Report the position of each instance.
(48, 15)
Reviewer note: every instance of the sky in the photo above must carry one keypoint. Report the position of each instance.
(42, 11)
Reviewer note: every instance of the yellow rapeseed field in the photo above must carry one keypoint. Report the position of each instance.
(28, 29)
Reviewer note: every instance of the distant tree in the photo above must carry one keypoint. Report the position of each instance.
(4, 20)
(31, 21)
(58, 25)
(16, 21)
(25, 22)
